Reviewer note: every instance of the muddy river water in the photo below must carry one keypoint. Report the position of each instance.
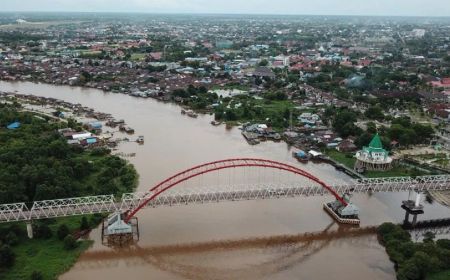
(232, 240)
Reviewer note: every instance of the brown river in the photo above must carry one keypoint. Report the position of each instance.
(233, 240)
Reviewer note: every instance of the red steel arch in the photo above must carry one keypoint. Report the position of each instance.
(224, 164)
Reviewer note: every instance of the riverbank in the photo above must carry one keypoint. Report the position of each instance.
(175, 143)
(399, 170)
(38, 164)
(428, 259)
(44, 256)
(100, 127)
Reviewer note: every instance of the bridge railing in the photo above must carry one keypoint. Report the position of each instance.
(130, 201)
(13, 212)
(413, 180)
(73, 206)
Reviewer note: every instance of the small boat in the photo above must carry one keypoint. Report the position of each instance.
(216, 123)
(126, 129)
(140, 139)
(301, 156)
(254, 141)
(129, 130)
(191, 114)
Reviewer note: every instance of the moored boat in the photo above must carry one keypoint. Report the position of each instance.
(301, 156)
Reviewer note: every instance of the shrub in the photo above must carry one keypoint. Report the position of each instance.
(36, 275)
(84, 224)
(443, 243)
(7, 256)
(69, 242)
(62, 232)
(42, 231)
(11, 239)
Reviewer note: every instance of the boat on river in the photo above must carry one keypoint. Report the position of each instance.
(191, 114)
(301, 156)
(140, 139)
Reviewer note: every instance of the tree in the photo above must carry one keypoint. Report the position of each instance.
(425, 263)
(42, 231)
(344, 123)
(374, 113)
(84, 224)
(230, 115)
(36, 275)
(7, 257)
(70, 243)
(11, 238)
(62, 232)
(429, 237)
(264, 62)
(408, 271)
(371, 128)
(443, 243)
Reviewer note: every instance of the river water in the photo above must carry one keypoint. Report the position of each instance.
(232, 240)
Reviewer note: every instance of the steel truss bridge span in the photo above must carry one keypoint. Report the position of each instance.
(133, 202)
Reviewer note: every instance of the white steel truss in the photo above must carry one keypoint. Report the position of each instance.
(13, 212)
(72, 207)
(108, 204)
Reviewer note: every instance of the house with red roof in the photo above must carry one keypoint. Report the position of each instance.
(155, 56)
(443, 83)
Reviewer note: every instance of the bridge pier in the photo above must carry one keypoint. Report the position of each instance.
(30, 230)
(414, 208)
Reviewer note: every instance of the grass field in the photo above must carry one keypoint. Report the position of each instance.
(346, 159)
(47, 256)
(397, 171)
(138, 56)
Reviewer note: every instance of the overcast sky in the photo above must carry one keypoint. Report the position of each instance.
(303, 7)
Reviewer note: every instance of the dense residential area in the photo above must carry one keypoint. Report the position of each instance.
(320, 85)
(99, 110)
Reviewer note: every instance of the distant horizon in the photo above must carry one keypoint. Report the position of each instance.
(387, 8)
(218, 13)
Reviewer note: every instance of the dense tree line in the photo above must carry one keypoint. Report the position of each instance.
(401, 130)
(275, 113)
(36, 163)
(414, 261)
(197, 98)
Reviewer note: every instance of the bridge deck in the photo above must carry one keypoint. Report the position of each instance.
(108, 204)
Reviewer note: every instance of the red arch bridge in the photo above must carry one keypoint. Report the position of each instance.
(172, 191)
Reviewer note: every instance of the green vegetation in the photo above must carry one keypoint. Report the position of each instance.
(231, 86)
(415, 261)
(349, 160)
(346, 159)
(443, 275)
(138, 56)
(45, 255)
(344, 123)
(247, 109)
(402, 130)
(36, 163)
(396, 171)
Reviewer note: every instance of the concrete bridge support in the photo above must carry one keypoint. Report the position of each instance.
(414, 208)
(30, 230)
